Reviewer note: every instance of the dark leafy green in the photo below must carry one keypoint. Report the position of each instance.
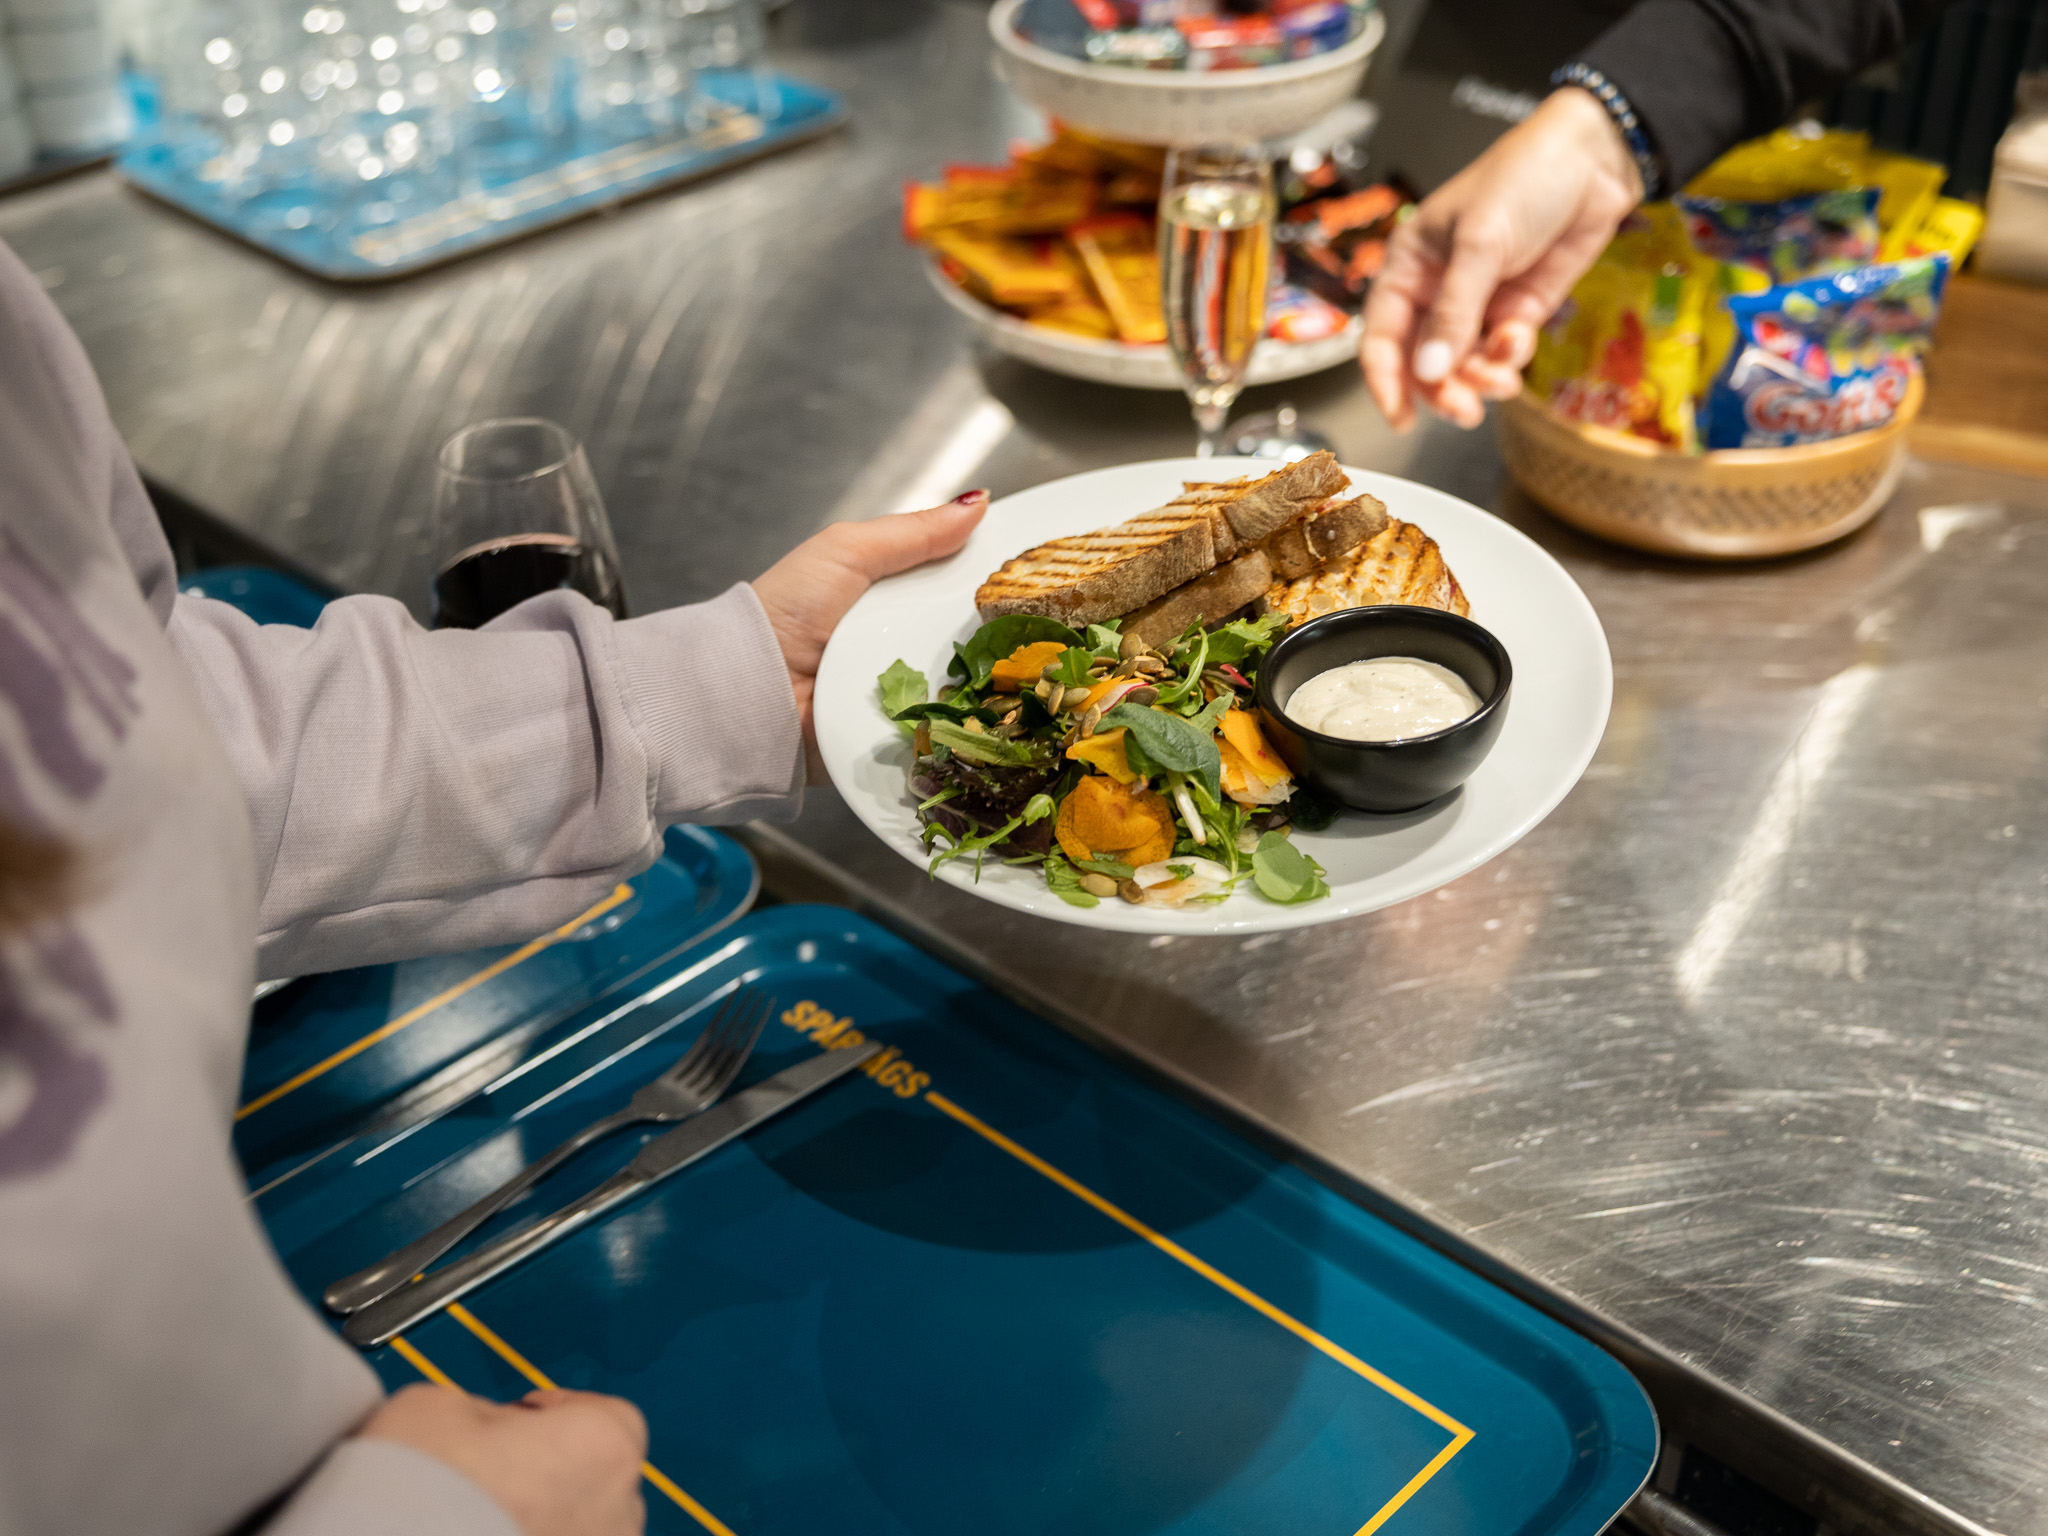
(996, 639)
(1168, 742)
(1310, 809)
(1284, 873)
(1105, 641)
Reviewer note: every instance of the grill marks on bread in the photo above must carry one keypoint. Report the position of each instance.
(1089, 577)
(1400, 564)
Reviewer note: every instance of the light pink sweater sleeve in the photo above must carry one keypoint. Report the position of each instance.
(415, 791)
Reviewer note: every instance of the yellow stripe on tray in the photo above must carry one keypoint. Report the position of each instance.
(1461, 1436)
(412, 1356)
(412, 1016)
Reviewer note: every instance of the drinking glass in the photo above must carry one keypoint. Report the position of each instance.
(516, 513)
(1215, 246)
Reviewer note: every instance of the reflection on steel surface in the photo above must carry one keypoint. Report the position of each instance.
(1798, 779)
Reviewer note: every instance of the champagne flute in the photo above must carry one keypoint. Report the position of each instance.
(1215, 247)
(516, 514)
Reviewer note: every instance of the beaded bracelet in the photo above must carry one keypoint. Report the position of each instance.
(1608, 94)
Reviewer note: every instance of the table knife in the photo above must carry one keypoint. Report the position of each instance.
(383, 1321)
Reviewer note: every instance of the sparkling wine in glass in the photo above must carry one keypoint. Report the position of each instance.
(1215, 249)
(516, 514)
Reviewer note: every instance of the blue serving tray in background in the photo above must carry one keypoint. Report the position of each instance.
(331, 1053)
(747, 113)
(996, 1285)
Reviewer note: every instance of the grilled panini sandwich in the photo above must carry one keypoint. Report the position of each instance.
(1399, 564)
(1090, 577)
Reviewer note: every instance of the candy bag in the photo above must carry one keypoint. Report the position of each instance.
(1790, 239)
(1787, 163)
(1951, 227)
(1623, 351)
(1824, 357)
(1908, 189)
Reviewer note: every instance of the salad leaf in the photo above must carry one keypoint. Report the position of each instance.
(1116, 869)
(1180, 871)
(999, 637)
(1105, 641)
(1210, 716)
(901, 686)
(1285, 874)
(1169, 742)
(938, 709)
(977, 845)
(1074, 667)
(1310, 809)
(1037, 808)
(1065, 882)
(1231, 643)
(980, 747)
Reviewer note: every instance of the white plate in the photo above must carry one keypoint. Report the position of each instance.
(1135, 367)
(1564, 680)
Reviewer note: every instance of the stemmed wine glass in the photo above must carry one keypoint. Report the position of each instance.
(517, 513)
(1215, 246)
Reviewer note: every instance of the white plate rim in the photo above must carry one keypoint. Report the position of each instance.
(845, 704)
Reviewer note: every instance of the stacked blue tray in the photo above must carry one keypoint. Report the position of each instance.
(330, 1054)
(992, 1282)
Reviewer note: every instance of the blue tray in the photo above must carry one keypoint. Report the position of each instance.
(267, 596)
(998, 1285)
(331, 1053)
(746, 115)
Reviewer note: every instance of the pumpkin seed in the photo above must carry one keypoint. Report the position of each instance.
(1131, 646)
(1090, 720)
(1098, 885)
(1074, 699)
(1131, 891)
(1142, 696)
(1050, 671)
(1151, 666)
(974, 726)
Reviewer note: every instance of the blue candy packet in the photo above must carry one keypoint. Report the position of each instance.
(1787, 240)
(1823, 357)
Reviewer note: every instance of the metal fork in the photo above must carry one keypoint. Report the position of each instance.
(692, 1085)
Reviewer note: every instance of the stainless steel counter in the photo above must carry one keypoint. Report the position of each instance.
(1740, 1059)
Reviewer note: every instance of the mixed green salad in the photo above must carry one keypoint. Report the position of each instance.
(1117, 769)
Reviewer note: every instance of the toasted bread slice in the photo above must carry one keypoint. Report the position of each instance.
(1327, 532)
(1207, 598)
(1094, 576)
(1400, 564)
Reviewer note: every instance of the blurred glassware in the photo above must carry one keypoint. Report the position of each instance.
(516, 514)
(64, 66)
(17, 147)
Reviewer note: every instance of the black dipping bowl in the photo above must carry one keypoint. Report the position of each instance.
(1386, 775)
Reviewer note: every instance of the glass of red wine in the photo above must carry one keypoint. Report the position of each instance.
(516, 514)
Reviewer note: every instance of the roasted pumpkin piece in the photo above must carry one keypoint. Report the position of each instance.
(1105, 750)
(1242, 731)
(1019, 670)
(1105, 819)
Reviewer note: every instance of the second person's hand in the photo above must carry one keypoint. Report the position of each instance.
(1489, 256)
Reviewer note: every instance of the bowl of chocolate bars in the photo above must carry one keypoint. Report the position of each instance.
(1183, 71)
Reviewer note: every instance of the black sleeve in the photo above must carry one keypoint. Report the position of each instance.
(1706, 74)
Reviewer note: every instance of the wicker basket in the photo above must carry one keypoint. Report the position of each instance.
(1732, 504)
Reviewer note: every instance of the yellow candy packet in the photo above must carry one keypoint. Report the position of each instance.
(1624, 350)
(1951, 226)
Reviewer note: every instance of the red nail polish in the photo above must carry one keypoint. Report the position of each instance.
(966, 496)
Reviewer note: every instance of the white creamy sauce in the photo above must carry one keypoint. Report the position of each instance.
(1389, 698)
